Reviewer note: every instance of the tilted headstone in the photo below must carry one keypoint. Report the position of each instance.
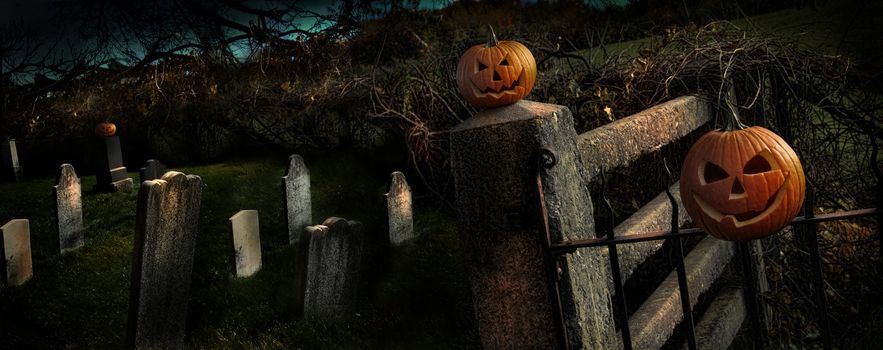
(153, 169)
(162, 260)
(332, 269)
(10, 169)
(16, 249)
(398, 205)
(298, 206)
(68, 209)
(246, 242)
(112, 175)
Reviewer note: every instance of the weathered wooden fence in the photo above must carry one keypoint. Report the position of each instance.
(520, 177)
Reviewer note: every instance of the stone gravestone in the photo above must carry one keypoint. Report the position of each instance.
(16, 249)
(246, 242)
(398, 205)
(332, 268)
(162, 260)
(298, 207)
(111, 175)
(10, 167)
(68, 209)
(153, 169)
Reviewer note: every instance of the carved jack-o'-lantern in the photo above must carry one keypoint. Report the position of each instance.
(496, 74)
(742, 183)
(105, 129)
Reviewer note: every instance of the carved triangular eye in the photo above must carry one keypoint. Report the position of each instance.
(481, 66)
(757, 165)
(713, 173)
(505, 62)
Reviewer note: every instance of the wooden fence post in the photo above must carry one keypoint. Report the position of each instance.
(494, 161)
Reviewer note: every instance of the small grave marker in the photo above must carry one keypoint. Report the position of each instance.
(398, 204)
(68, 209)
(16, 249)
(10, 169)
(153, 169)
(246, 242)
(298, 207)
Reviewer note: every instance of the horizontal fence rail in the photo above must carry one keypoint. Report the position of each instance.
(624, 140)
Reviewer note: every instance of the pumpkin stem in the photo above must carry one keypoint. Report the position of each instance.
(491, 38)
(733, 121)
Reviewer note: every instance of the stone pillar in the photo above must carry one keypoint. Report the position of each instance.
(111, 174)
(153, 169)
(398, 205)
(332, 269)
(298, 207)
(10, 169)
(68, 210)
(246, 238)
(494, 161)
(162, 260)
(16, 249)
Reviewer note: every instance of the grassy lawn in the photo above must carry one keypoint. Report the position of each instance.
(837, 27)
(412, 297)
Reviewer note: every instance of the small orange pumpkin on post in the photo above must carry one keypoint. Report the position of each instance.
(741, 183)
(105, 129)
(497, 73)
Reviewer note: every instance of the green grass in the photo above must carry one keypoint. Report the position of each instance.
(837, 27)
(411, 297)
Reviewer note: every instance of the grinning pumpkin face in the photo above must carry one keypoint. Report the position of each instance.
(742, 184)
(105, 129)
(496, 74)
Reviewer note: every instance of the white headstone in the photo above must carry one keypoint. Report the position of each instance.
(162, 261)
(298, 206)
(16, 249)
(68, 209)
(398, 204)
(246, 242)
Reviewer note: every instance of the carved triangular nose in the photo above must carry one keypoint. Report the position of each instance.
(497, 76)
(737, 187)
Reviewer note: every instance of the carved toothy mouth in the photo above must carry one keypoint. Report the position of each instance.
(511, 89)
(745, 218)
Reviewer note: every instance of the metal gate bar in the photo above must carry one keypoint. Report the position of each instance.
(678, 244)
(808, 234)
(572, 245)
(623, 317)
(749, 289)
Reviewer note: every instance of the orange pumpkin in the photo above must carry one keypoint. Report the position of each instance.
(741, 183)
(105, 129)
(496, 74)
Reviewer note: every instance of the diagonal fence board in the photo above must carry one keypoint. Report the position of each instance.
(621, 142)
(654, 216)
(721, 322)
(654, 322)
